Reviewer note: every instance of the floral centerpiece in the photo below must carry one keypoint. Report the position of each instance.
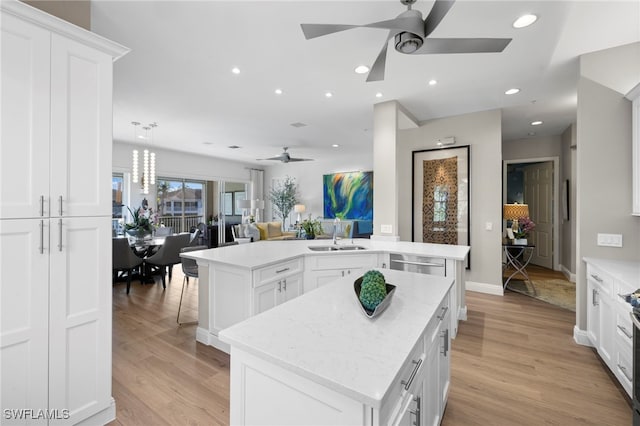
(143, 222)
(311, 228)
(525, 226)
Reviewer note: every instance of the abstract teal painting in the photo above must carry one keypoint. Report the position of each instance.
(348, 195)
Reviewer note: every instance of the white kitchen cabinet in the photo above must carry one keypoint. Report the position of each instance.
(274, 293)
(55, 217)
(324, 269)
(609, 326)
(634, 97)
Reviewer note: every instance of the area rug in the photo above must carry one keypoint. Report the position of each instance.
(558, 292)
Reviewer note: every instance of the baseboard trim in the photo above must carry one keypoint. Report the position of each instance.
(496, 290)
(567, 273)
(581, 337)
(203, 336)
(101, 417)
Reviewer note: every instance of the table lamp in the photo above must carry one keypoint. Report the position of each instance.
(512, 212)
(299, 208)
(256, 205)
(244, 205)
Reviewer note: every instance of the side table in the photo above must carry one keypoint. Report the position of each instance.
(518, 256)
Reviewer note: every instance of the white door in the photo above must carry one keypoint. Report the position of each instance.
(24, 140)
(24, 308)
(292, 287)
(538, 194)
(80, 316)
(81, 129)
(266, 296)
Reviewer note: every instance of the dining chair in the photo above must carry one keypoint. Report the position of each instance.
(168, 254)
(194, 238)
(124, 259)
(190, 270)
(164, 231)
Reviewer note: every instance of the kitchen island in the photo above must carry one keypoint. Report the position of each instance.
(319, 360)
(238, 282)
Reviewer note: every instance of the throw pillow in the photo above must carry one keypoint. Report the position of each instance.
(275, 229)
(263, 228)
(252, 231)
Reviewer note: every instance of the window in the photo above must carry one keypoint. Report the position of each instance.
(117, 206)
(440, 197)
(180, 203)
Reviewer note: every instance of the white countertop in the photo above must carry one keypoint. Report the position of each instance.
(627, 271)
(264, 253)
(324, 336)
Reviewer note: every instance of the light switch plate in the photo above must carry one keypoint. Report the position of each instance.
(610, 240)
(386, 229)
(488, 226)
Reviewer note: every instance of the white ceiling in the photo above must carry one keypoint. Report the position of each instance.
(178, 73)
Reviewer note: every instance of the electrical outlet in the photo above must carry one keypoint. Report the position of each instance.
(386, 229)
(488, 226)
(610, 240)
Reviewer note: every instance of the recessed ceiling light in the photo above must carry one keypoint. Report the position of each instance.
(532, 133)
(512, 91)
(536, 123)
(328, 94)
(335, 145)
(235, 70)
(207, 143)
(278, 91)
(433, 82)
(525, 21)
(362, 69)
(378, 95)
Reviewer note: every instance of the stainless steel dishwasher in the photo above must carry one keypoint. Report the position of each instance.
(419, 264)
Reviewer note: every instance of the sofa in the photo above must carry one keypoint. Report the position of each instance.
(266, 231)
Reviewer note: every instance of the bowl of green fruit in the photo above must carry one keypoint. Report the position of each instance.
(373, 293)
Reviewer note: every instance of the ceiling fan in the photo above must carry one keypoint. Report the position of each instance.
(285, 157)
(411, 36)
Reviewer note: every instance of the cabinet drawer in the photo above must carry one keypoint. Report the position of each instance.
(623, 366)
(604, 281)
(624, 328)
(280, 270)
(410, 372)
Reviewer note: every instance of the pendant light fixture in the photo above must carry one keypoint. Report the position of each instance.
(148, 176)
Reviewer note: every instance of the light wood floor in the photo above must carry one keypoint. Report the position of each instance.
(514, 362)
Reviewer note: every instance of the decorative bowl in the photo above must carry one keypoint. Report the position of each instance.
(382, 306)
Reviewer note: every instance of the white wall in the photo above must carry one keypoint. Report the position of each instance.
(308, 176)
(548, 146)
(568, 230)
(177, 164)
(482, 131)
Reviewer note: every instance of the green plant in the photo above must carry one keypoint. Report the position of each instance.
(142, 220)
(283, 197)
(373, 289)
(311, 227)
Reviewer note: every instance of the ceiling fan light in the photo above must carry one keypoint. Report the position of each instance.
(525, 21)
(512, 91)
(407, 42)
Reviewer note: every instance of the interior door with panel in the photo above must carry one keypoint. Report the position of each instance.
(24, 151)
(24, 308)
(80, 315)
(538, 193)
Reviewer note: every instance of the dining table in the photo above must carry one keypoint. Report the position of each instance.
(144, 248)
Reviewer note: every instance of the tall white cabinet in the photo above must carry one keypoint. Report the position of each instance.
(55, 220)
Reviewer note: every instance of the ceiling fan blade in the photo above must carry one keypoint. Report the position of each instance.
(300, 159)
(317, 30)
(462, 45)
(438, 11)
(278, 158)
(377, 69)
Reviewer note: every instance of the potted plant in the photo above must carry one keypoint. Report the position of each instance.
(311, 228)
(283, 197)
(525, 225)
(142, 224)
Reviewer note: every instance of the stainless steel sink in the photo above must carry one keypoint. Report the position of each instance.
(323, 248)
(351, 248)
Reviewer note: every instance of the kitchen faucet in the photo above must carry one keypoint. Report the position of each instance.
(336, 221)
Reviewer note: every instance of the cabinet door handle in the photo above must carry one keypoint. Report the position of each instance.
(625, 332)
(279, 286)
(597, 278)
(416, 412)
(624, 371)
(60, 234)
(284, 285)
(343, 273)
(60, 203)
(282, 270)
(42, 237)
(407, 383)
(42, 205)
(594, 295)
(444, 312)
(445, 342)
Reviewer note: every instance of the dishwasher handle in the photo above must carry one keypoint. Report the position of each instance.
(410, 262)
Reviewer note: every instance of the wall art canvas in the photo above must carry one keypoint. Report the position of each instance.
(440, 203)
(348, 195)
